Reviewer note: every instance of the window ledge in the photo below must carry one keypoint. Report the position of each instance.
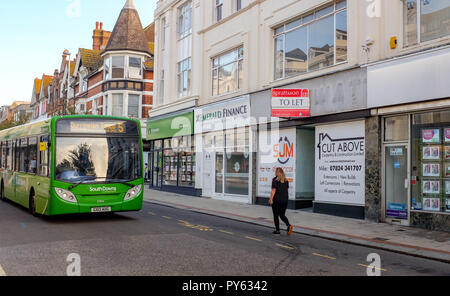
(430, 212)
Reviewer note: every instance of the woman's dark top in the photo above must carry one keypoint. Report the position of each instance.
(282, 191)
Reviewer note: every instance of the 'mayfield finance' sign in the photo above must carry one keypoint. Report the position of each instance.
(290, 103)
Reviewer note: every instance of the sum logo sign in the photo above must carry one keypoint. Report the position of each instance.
(284, 150)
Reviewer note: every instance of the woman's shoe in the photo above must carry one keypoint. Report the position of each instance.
(276, 232)
(290, 229)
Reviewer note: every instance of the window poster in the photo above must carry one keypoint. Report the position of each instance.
(431, 204)
(431, 170)
(431, 136)
(447, 152)
(447, 205)
(447, 170)
(431, 153)
(447, 135)
(447, 187)
(431, 187)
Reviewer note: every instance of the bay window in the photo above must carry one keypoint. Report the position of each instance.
(133, 106)
(314, 41)
(117, 105)
(118, 67)
(135, 68)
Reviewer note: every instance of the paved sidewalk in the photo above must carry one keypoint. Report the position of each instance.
(407, 240)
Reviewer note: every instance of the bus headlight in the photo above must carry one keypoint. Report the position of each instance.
(66, 195)
(133, 192)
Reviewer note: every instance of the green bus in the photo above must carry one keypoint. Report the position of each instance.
(73, 164)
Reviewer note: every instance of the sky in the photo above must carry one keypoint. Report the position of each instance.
(34, 33)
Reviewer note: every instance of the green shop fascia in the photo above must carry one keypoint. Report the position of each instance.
(172, 154)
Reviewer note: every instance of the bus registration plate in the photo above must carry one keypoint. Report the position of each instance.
(101, 210)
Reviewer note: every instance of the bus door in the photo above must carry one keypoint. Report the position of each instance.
(10, 176)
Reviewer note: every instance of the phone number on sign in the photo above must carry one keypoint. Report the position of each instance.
(346, 168)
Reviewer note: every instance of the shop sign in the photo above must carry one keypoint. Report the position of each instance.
(398, 211)
(174, 126)
(293, 103)
(340, 163)
(276, 150)
(223, 116)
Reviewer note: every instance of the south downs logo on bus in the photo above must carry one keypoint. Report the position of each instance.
(102, 189)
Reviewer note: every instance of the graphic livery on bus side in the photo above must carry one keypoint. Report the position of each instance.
(73, 164)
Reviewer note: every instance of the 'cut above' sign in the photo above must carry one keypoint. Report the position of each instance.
(290, 103)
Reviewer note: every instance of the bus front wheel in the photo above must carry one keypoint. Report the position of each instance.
(32, 207)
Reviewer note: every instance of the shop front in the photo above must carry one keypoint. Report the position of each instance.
(172, 157)
(316, 131)
(224, 141)
(410, 97)
(416, 169)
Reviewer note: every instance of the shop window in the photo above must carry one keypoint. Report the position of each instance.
(232, 161)
(431, 162)
(314, 41)
(425, 21)
(179, 162)
(396, 128)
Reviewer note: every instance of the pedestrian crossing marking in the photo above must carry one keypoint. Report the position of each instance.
(165, 217)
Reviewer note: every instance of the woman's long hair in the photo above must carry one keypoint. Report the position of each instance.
(281, 177)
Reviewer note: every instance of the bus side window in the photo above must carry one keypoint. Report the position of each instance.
(44, 157)
(1, 155)
(8, 155)
(32, 152)
(16, 155)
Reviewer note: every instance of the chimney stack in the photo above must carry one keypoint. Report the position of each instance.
(100, 38)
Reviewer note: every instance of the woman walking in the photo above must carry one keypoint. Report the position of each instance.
(279, 200)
